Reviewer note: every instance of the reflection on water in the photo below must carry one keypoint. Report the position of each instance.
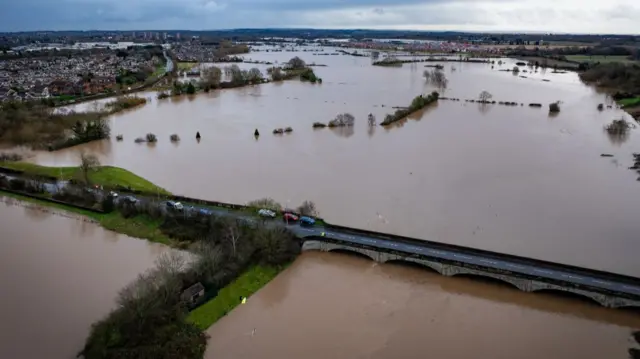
(339, 306)
(58, 275)
(512, 179)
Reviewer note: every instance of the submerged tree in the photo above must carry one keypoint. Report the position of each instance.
(485, 96)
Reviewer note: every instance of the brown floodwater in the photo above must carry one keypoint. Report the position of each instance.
(329, 305)
(509, 179)
(59, 275)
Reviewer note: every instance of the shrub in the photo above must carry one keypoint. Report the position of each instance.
(162, 95)
(600, 107)
(139, 140)
(174, 138)
(618, 127)
(267, 203)
(554, 107)
(119, 138)
(17, 184)
(343, 119)
(151, 137)
(10, 157)
(288, 129)
(319, 125)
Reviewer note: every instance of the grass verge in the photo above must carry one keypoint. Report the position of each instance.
(107, 176)
(228, 297)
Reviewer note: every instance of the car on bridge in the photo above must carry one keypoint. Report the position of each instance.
(307, 221)
(290, 217)
(267, 213)
(175, 205)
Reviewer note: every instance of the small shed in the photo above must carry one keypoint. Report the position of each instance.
(193, 293)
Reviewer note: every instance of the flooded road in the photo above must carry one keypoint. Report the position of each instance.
(508, 179)
(329, 305)
(59, 275)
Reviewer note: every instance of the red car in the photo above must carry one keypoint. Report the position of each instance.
(289, 217)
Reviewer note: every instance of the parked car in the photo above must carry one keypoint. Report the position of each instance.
(290, 217)
(175, 205)
(206, 212)
(130, 199)
(307, 221)
(267, 213)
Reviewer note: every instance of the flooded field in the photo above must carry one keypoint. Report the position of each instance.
(509, 179)
(338, 306)
(59, 275)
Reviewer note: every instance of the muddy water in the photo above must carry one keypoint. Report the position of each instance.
(58, 275)
(335, 306)
(510, 179)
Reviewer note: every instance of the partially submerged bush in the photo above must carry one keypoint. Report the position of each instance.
(343, 119)
(319, 125)
(10, 157)
(288, 129)
(139, 140)
(174, 138)
(119, 138)
(554, 107)
(151, 137)
(278, 131)
(618, 127)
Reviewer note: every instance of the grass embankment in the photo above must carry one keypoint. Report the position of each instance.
(106, 176)
(629, 102)
(139, 226)
(229, 297)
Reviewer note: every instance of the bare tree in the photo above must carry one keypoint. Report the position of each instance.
(209, 262)
(212, 75)
(485, 96)
(343, 119)
(254, 75)
(515, 70)
(427, 75)
(88, 162)
(297, 63)
(276, 73)
(232, 232)
(308, 208)
(372, 120)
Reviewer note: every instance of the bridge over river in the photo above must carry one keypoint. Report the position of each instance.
(529, 275)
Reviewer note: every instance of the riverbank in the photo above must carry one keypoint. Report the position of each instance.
(228, 298)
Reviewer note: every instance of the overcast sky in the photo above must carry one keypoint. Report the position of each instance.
(582, 16)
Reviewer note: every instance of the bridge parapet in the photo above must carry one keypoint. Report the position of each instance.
(524, 284)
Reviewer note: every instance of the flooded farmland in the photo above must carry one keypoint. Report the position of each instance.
(511, 179)
(506, 178)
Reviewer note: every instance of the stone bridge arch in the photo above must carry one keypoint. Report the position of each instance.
(593, 298)
(453, 270)
(310, 245)
(429, 265)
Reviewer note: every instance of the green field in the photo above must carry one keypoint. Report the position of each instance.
(629, 102)
(104, 175)
(229, 297)
(601, 59)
